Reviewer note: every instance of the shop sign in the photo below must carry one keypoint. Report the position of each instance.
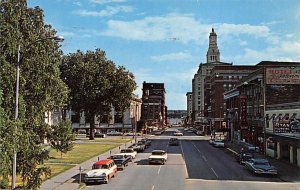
(283, 75)
(243, 103)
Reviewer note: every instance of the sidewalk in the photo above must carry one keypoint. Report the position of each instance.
(286, 171)
(70, 178)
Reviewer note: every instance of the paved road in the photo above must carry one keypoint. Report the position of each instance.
(192, 164)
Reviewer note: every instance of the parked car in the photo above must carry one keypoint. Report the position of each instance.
(114, 133)
(260, 166)
(157, 132)
(174, 142)
(129, 151)
(200, 133)
(139, 147)
(211, 141)
(121, 160)
(101, 171)
(158, 157)
(244, 157)
(178, 133)
(219, 143)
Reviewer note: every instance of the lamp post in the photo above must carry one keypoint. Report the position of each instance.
(57, 39)
(263, 87)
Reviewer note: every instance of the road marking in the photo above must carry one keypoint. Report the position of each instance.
(152, 187)
(197, 148)
(204, 158)
(182, 150)
(159, 169)
(214, 172)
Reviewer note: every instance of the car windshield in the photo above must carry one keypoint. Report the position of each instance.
(158, 153)
(118, 161)
(116, 157)
(97, 166)
(262, 163)
(126, 151)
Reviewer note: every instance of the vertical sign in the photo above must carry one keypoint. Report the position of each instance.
(243, 104)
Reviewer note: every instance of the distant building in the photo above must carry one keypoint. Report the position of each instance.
(154, 110)
(189, 103)
(111, 121)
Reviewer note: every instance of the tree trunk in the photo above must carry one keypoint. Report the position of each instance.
(122, 124)
(92, 126)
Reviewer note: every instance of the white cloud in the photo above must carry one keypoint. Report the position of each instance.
(108, 11)
(178, 56)
(182, 27)
(107, 1)
(285, 51)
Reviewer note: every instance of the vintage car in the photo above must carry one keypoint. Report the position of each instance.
(218, 143)
(178, 133)
(260, 166)
(244, 157)
(139, 147)
(121, 160)
(146, 141)
(101, 171)
(158, 157)
(129, 151)
(173, 142)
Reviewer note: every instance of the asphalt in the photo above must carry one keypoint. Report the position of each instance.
(70, 178)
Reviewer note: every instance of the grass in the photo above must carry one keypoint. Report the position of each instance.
(108, 140)
(80, 153)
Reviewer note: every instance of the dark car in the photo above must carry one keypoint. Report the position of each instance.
(260, 166)
(146, 142)
(139, 147)
(244, 157)
(174, 142)
(295, 126)
(121, 160)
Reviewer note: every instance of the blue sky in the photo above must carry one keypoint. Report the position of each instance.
(165, 40)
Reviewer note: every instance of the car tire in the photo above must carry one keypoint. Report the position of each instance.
(106, 179)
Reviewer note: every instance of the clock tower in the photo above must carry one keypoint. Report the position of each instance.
(213, 53)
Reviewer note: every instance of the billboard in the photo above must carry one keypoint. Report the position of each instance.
(283, 75)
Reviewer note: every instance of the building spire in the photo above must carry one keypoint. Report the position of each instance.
(213, 53)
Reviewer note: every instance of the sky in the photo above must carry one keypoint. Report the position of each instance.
(164, 41)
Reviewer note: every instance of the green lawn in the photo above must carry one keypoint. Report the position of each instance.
(80, 153)
(108, 140)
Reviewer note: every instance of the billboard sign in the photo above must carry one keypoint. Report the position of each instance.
(243, 108)
(283, 75)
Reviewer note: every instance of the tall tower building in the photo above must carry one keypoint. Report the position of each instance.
(204, 70)
(213, 53)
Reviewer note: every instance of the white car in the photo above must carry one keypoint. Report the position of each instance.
(178, 133)
(129, 151)
(101, 171)
(158, 157)
(219, 143)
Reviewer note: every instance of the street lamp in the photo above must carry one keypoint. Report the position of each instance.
(263, 87)
(57, 39)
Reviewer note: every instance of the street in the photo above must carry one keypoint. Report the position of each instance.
(192, 164)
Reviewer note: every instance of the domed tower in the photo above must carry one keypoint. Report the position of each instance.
(213, 53)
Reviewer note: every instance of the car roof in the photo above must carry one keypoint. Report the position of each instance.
(158, 151)
(259, 160)
(104, 162)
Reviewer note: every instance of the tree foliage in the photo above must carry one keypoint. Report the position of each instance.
(62, 136)
(41, 88)
(95, 84)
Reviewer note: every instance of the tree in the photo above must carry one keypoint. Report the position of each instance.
(95, 84)
(123, 86)
(41, 88)
(88, 77)
(62, 136)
